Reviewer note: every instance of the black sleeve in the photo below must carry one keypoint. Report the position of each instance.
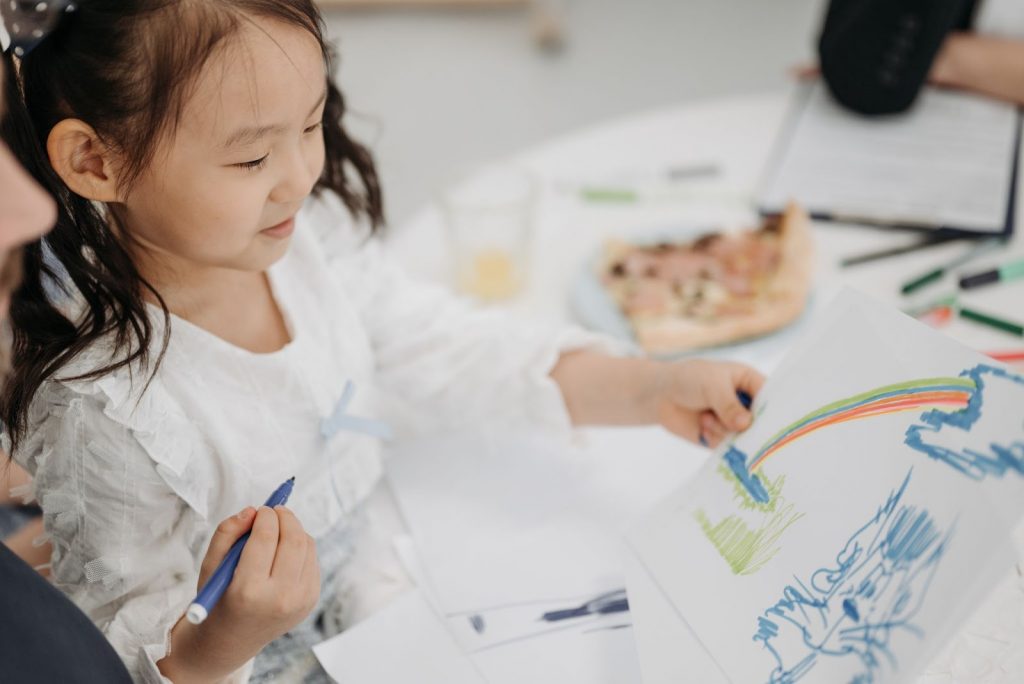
(876, 54)
(44, 637)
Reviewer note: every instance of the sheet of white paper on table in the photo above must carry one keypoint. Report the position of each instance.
(404, 642)
(507, 516)
(846, 486)
(588, 656)
(501, 516)
(669, 651)
(947, 162)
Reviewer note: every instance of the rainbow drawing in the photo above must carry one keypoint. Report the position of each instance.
(908, 396)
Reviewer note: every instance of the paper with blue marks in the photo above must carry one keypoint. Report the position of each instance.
(851, 531)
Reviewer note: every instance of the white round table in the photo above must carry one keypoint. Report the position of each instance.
(736, 135)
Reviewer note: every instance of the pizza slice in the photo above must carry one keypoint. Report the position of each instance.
(719, 288)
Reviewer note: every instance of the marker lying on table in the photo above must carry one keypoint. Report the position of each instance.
(218, 583)
(1010, 271)
(1007, 356)
(936, 274)
(992, 321)
(747, 402)
(923, 243)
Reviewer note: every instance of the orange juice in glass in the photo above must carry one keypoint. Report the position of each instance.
(489, 217)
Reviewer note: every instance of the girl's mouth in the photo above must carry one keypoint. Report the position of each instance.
(281, 230)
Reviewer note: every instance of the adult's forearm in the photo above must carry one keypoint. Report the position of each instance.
(985, 64)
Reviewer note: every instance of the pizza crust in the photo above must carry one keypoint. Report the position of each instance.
(780, 302)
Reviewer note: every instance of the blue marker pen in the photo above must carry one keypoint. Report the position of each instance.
(218, 583)
(744, 398)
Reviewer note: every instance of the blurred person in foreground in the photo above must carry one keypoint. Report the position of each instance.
(43, 636)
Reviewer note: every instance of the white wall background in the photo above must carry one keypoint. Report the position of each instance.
(435, 92)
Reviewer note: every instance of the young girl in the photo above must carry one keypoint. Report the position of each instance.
(196, 329)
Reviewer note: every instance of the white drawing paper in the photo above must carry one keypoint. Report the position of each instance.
(866, 513)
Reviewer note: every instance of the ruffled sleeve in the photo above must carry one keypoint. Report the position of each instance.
(442, 361)
(126, 542)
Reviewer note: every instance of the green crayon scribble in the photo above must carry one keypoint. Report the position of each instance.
(748, 550)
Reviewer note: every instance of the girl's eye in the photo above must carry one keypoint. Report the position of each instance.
(313, 128)
(255, 164)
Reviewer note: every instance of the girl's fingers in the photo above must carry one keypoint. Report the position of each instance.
(724, 400)
(680, 422)
(748, 380)
(726, 405)
(291, 547)
(226, 534)
(711, 429)
(259, 552)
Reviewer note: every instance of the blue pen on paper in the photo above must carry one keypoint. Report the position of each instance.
(605, 604)
(747, 402)
(218, 583)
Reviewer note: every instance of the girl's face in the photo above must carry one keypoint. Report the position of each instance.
(223, 191)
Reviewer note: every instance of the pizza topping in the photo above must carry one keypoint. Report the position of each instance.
(718, 276)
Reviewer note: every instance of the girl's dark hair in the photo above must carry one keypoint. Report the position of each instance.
(126, 67)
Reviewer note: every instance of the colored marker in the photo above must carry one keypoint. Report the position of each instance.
(923, 243)
(992, 321)
(1010, 271)
(1007, 356)
(218, 583)
(948, 302)
(632, 192)
(745, 399)
(937, 273)
(605, 604)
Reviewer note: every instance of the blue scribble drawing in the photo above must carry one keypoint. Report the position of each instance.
(849, 612)
(948, 438)
(737, 462)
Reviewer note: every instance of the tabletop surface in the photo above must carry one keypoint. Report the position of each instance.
(737, 136)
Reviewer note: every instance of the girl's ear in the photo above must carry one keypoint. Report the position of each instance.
(82, 161)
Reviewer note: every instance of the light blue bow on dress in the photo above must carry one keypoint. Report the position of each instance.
(340, 420)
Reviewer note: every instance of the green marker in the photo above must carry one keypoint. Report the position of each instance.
(992, 321)
(937, 273)
(1010, 271)
(949, 301)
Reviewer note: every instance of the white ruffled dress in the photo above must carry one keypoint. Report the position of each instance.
(132, 482)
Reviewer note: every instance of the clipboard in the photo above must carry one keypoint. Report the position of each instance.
(787, 174)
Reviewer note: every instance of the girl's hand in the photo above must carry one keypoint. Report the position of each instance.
(698, 399)
(276, 585)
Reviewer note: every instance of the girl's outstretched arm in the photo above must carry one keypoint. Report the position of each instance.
(694, 399)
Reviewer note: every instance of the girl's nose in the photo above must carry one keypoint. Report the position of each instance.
(297, 180)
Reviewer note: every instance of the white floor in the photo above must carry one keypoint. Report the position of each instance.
(435, 92)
